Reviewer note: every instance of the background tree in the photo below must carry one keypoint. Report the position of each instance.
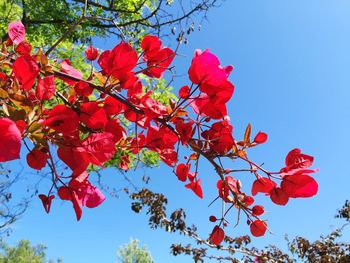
(23, 252)
(133, 253)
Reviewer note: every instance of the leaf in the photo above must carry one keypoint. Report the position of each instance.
(247, 133)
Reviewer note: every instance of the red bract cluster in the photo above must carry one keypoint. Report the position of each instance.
(82, 122)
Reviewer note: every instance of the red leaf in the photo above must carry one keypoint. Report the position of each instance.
(278, 196)
(263, 185)
(258, 228)
(158, 63)
(113, 106)
(300, 185)
(217, 235)
(261, 137)
(46, 88)
(36, 159)
(113, 126)
(26, 71)
(195, 186)
(295, 159)
(10, 141)
(16, 32)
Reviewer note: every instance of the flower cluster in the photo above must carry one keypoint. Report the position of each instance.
(83, 125)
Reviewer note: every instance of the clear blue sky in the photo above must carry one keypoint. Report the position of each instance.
(292, 81)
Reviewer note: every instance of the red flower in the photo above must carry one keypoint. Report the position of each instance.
(119, 61)
(299, 185)
(182, 171)
(217, 235)
(203, 105)
(46, 88)
(261, 137)
(24, 48)
(258, 210)
(278, 196)
(36, 159)
(81, 194)
(184, 129)
(113, 126)
(46, 200)
(225, 186)
(91, 53)
(220, 135)
(258, 228)
(206, 68)
(263, 185)
(100, 147)
(92, 115)
(83, 89)
(16, 32)
(184, 92)
(113, 106)
(151, 45)
(10, 142)
(157, 64)
(26, 70)
(195, 186)
(62, 119)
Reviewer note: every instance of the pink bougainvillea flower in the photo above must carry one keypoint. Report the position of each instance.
(261, 137)
(91, 53)
(217, 235)
(299, 185)
(16, 32)
(10, 142)
(81, 194)
(46, 200)
(26, 70)
(206, 68)
(67, 68)
(196, 187)
(62, 119)
(182, 171)
(93, 115)
(258, 228)
(46, 88)
(36, 159)
(263, 185)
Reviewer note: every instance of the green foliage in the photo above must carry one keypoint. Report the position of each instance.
(23, 253)
(133, 253)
